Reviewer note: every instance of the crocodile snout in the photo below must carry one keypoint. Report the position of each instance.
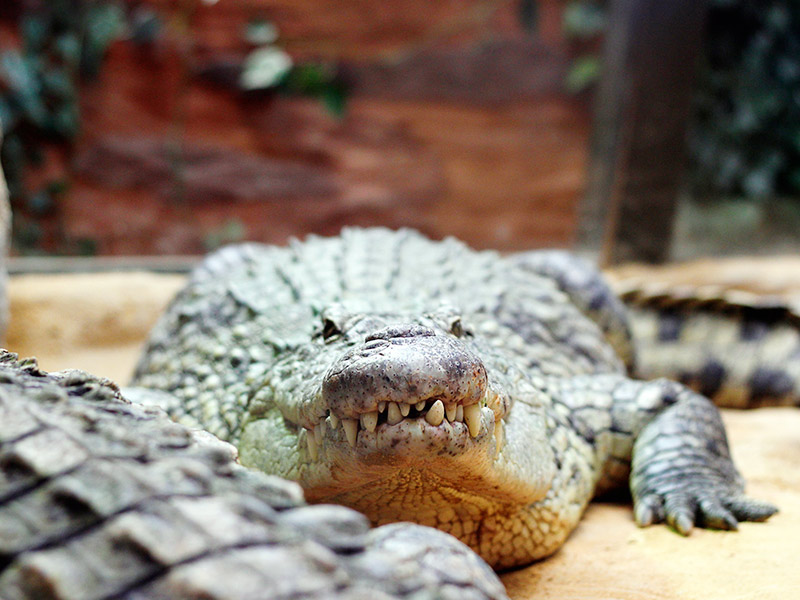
(406, 365)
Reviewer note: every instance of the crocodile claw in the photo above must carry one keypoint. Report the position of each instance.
(682, 511)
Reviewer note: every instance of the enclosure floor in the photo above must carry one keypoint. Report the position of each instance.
(98, 323)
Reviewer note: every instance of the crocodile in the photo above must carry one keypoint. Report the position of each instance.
(729, 329)
(419, 380)
(101, 498)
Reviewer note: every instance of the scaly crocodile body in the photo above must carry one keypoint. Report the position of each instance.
(419, 380)
(102, 499)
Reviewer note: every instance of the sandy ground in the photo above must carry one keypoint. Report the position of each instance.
(98, 322)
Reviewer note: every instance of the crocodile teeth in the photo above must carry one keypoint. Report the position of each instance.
(420, 406)
(381, 406)
(334, 421)
(319, 431)
(311, 442)
(350, 430)
(472, 417)
(405, 409)
(450, 410)
(460, 413)
(369, 421)
(435, 414)
(394, 416)
(499, 435)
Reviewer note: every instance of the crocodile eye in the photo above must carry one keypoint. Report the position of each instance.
(329, 329)
(456, 327)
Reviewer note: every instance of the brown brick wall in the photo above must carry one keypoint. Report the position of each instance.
(456, 124)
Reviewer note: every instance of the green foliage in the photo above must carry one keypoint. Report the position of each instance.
(63, 41)
(583, 73)
(746, 138)
(145, 25)
(264, 68)
(269, 67)
(260, 32)
(583, 19)
(318, 81)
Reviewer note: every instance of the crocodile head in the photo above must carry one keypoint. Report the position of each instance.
(406, 418)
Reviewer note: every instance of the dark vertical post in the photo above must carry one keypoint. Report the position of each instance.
(5, 234)
(639, 141)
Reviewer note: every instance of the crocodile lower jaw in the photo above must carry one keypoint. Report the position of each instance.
(415, 438)
(396, 428)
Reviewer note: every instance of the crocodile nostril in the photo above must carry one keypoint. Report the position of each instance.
(373, 347)
(372, 344)
(400, 331)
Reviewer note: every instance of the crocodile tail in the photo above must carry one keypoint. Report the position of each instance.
(741, 350)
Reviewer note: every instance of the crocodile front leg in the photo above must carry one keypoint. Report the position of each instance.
(669, 442)
(682, 471)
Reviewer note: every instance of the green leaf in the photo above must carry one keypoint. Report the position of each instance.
(145, 26)
(583, 20)
(66, 121)
(40, 203)
(778, 18)
(35, 29)
(759, 183)
(104, 23)
(57, 82)
(18, 73)
(309, 79)
(264, 68)
(335, 100)
(68, 49)
(585, 72)
(260, 32)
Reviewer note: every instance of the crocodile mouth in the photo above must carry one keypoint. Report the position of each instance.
(450, 427)
(404, 394)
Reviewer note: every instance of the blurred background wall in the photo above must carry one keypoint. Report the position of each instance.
(173, 126)
(184, 124)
